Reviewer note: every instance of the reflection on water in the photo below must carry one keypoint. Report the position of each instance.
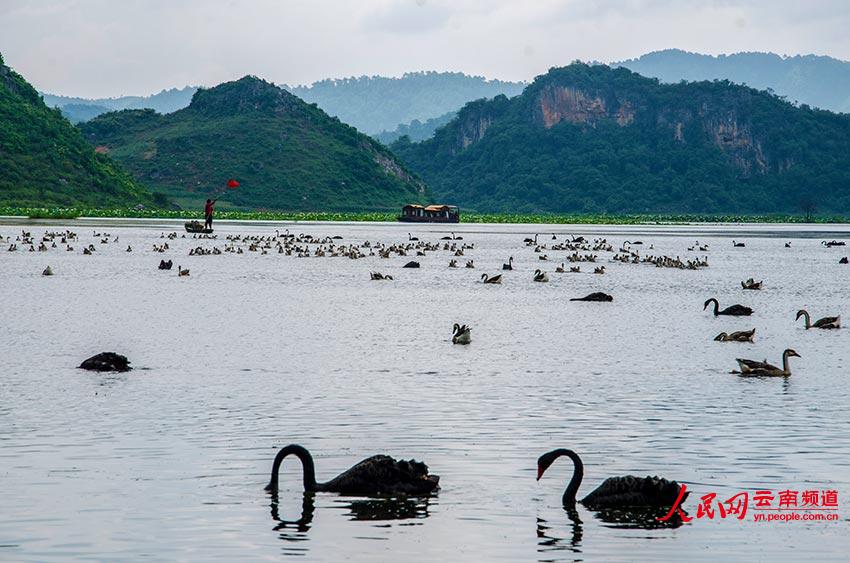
(294, 532)
(302, 525)
(548, 542)
(253, 350)
(388, 509)
(638, 518)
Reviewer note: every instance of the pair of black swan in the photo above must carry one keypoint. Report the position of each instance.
(383, 475)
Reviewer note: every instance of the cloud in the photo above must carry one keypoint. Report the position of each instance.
(411, 16)
(103, 47)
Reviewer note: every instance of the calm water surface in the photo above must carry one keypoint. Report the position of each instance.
(252, 352)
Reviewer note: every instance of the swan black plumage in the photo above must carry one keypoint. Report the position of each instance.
(732, 310)
(614, 492)
(596, 296)
(376, 475)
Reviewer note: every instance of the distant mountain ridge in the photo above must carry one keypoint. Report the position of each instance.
(588, 138)
(44, 160)
(415, 130)
(83, 109)
(374, 104)
(286, 154)
(819, 81)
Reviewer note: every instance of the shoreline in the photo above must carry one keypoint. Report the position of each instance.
(685, 229)
(74, 214)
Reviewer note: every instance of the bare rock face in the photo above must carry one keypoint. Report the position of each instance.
(106, 361)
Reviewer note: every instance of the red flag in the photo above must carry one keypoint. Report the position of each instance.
(232, 183)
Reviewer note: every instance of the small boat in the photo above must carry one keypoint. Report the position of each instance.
(197, 227)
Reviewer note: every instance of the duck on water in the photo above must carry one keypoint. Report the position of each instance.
(376, 475)
(752, 368)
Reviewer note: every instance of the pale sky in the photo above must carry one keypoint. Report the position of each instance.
(99, 48)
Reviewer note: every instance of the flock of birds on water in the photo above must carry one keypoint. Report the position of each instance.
(382, 475)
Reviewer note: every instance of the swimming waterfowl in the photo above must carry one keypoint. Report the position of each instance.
(751, 284)
(163, 265)
(470, 263)
(739, 336)
(452, 263)
(106, 361)
(615, 492)
(753, 368)
(461, 334)
(376, 475)
(495, 279)
(411, 237)
(377, 276)
(599, 270)
(738, 244)
(411, 264)
(509, 265)
(181, 272)
(826, 322)
(732, 310)
(540, 276)
(844, 260)
(560, 269)
(48, 271)
(787, 245)
(596, 296)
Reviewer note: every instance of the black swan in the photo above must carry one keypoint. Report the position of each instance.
(596, 296)
(376, 475)
(411, 264)
(614, 492)
(732, 310)
(509, 265)
(106, 361)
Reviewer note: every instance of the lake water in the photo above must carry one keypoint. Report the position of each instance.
(252, 352)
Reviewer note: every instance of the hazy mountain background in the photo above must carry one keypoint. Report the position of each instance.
(374, 104)
(819, 81)
(83, 109)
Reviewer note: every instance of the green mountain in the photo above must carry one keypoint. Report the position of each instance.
(44, 160)
(822, 82)
(286, 154)
(595, 139)
(83, 109)
(378, 103)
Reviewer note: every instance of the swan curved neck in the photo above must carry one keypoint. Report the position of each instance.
(785, 362)
(569, 498)
(301, 453)
(807, 318)
(716, 306)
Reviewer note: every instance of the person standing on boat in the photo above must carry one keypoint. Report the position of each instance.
(208, 213)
